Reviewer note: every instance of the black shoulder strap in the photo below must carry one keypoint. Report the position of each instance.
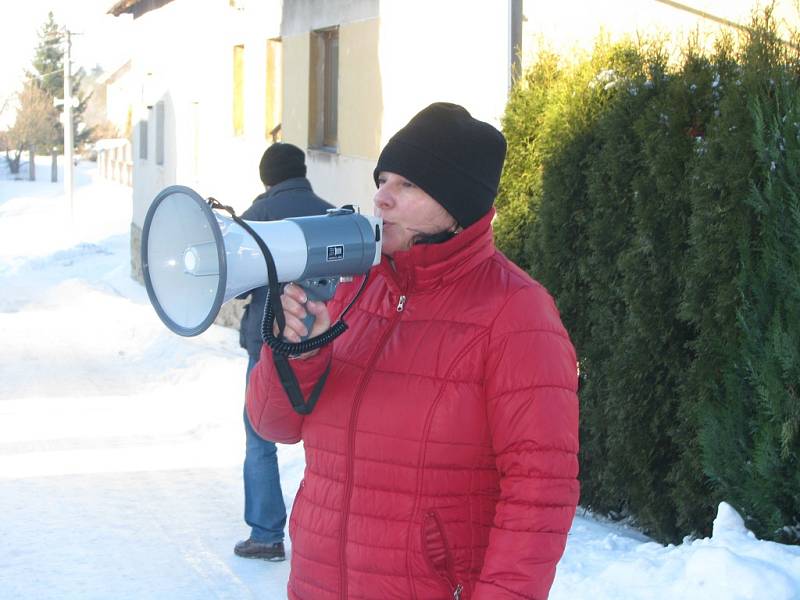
(292, 387)
(285, 372)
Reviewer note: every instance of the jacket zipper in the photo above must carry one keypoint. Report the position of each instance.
(351, 441)
(457, 592)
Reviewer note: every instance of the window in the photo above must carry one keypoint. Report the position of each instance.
(160, 133)
(273, 105)
(324, 87)
(238, 90)
(143, 140)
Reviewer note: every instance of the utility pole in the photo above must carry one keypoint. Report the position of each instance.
(68, 142)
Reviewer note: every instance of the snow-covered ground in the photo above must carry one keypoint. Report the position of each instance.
(121, 443)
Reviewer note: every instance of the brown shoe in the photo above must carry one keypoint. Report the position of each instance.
(251, 548)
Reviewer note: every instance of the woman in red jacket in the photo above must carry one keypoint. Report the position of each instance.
(441, 457)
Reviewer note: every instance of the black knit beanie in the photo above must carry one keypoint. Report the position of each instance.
(453, 157)
(281, 162)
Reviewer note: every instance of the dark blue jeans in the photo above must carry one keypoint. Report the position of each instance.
(264, 509)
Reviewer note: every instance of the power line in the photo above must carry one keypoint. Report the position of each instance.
(720, 20)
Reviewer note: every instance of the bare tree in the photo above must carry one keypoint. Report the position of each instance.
(34, 126)
(5, 104)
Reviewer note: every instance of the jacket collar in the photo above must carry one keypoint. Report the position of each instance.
(431, 266)
(295, 183)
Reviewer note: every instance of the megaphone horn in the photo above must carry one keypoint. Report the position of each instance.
(194, 259)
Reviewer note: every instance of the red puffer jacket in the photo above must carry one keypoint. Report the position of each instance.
(441, 457)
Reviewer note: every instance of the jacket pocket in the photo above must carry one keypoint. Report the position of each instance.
(438, 554)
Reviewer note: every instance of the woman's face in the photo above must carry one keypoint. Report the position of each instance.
(407, 212)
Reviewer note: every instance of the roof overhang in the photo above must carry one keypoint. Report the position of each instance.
(136, 7)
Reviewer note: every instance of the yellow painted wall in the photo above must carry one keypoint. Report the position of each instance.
(344, 177)
(296, 56)
(360, 98)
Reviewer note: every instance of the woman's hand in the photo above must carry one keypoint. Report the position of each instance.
(295, 307)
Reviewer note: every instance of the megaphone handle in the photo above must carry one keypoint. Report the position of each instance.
(320, 289)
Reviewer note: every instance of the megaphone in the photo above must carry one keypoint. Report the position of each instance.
(194, 259)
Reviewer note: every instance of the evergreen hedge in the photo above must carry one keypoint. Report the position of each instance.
(659, 202)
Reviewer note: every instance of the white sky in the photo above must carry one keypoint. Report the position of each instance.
(103, 38)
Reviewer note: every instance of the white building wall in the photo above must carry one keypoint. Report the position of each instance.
(119, 97)
(183, 56)
(447, 50)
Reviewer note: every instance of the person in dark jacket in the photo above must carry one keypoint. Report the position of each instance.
(288, 194)
(441, 456)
